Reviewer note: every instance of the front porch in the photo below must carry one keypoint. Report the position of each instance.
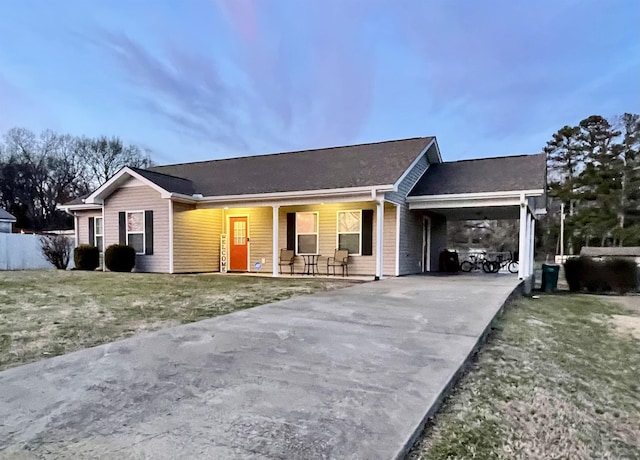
(249, 239)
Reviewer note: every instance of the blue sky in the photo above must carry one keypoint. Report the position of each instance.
(195, 80)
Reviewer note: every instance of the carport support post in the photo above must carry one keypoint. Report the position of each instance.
(532, 247)
(522, 239)
(379, 236)
(274, 244)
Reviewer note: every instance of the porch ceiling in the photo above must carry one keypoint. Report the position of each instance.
(479, 213)
(476, 206)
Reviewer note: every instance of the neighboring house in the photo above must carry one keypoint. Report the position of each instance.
(6, 221)
(630, 252)
(387, 203)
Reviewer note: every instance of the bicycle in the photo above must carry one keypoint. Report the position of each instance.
(476, 262)
(501, 261)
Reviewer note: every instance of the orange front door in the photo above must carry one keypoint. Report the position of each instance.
(238, 249)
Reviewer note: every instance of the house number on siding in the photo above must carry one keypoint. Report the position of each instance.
(223, 253)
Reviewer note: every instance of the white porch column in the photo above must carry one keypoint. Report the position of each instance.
(528, 266)
(379, 237)
(275, 237)
(532, 245)
(522, 239)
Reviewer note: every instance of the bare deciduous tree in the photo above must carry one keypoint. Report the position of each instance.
(39, 172)
(57, 250)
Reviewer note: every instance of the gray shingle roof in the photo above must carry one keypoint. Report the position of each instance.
(362, 165)
(629, 251)
(499, 174)
(168, 182)
(4, 215)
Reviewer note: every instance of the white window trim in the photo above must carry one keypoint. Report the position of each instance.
(144, 239)
(359, 233)
(316, 233)
(96, 234)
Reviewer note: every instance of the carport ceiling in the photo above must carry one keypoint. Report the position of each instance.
(480, 213)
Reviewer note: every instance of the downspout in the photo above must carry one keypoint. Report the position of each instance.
(104, 240)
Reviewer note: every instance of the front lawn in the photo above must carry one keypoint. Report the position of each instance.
(49, 313)
(558, 378)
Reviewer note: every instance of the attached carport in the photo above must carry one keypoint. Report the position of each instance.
(485, 189)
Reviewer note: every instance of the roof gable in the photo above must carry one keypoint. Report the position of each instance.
(485, 175)
(364, 165)
(162, 183)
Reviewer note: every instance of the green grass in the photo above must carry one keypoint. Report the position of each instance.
(49, 313)
(556, 379)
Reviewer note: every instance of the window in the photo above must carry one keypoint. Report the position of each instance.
(135, 231)
(99, 234)
(350, 231)
(306, 233)
(239, 232)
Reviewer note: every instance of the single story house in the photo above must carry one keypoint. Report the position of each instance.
(6, 221)
(387, 203)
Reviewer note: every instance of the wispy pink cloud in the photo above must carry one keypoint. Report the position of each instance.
(243, 16)
(315, 75)
(179, 86)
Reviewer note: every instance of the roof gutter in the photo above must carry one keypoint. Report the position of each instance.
(478, 195)
(281, 195)
(78, 207)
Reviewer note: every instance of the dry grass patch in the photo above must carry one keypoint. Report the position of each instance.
(49, 313)
(556, 379)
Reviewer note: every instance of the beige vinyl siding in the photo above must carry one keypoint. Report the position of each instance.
(141, 198)
(389, 253)
(328, 231)
(83, 225)
(196, 238)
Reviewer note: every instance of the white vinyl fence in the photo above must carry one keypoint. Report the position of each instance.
(22, 252)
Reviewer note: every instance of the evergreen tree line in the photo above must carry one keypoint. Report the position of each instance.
(38, 172)
(594, 170)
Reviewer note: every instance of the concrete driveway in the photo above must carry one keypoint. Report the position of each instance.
(342, 374)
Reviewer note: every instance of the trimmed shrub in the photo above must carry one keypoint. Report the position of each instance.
(623, 275)
(573, 272)
(584, 273)
(595, 277)
(120, 258)
(86, 257)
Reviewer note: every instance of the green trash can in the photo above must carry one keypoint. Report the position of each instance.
(550, 277)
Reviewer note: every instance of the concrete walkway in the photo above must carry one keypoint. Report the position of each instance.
(342, 374)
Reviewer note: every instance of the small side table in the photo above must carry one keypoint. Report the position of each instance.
(311, 264)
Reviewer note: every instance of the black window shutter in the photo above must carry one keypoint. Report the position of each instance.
(122, 227)
(367, 232)
(291, 231)
(148, 232)
(92, 231)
